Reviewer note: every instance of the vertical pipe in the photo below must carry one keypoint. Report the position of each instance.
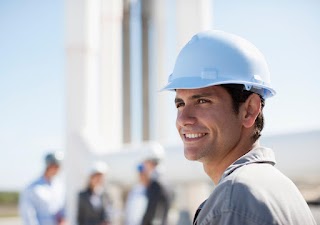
(145, 18)
(126, 82)
(137, 117)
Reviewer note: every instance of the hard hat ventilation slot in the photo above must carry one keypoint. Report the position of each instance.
(248, 87)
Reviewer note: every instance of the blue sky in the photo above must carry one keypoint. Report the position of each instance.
(32, 86)
(32, 73)
(287, 32)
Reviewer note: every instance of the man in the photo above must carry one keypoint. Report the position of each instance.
(136, 202)
(221, 83)
(158, 194)
(93, 202)
(42, 202)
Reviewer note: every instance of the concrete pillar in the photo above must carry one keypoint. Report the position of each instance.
(94, 87)
(158, 23)
(192, 16)
(111, 88)
(78, 67)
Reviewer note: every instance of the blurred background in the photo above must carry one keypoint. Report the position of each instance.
(83, 77)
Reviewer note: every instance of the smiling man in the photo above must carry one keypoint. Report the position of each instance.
(221, 83)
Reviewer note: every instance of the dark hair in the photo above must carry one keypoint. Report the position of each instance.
(239, 95)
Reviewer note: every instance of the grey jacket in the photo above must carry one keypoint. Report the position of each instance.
(253, 192)
(159, 198)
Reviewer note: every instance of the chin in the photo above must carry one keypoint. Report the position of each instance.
(189, 155)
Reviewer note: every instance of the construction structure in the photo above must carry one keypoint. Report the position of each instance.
(119, 53)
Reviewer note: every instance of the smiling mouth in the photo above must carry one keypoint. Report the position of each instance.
(194, 135)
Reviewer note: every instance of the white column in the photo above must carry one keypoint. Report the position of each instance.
(78, 65)
(162, 124)
(172, 24)
(192, 16)
(111, 73)
(94, 87)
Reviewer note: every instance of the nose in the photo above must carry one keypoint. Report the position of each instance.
(185, 117)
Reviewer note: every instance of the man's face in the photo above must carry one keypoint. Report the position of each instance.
(53, 170)
(96, 179)
(148, 166)
(206, 122)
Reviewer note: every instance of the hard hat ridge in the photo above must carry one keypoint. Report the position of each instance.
(215, 57)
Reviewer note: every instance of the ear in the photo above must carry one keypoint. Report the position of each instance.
(250, 110)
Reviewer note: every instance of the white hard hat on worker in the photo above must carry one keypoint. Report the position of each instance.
(216, 57)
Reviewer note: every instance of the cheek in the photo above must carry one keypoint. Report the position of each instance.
(177, 125)
(210, 117)
(55, 170)
(221, 119)
(232, 127)
(177, 122)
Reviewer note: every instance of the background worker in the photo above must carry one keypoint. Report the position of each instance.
(93, 202)
(221, 82)
(158, 192)
(136, 202)
(43, 201)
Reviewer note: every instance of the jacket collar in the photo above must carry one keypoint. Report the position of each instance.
(256, 155)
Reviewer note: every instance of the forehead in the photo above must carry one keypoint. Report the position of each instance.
(53, 165)
(97, 175)
(207, 91)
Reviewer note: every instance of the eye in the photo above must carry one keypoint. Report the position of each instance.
(201, 101)
(179, 104)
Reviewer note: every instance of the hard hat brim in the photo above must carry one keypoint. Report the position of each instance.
(195, 83)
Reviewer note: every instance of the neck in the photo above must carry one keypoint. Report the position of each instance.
(215, 169)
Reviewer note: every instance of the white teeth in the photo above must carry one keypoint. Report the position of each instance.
(194, 135)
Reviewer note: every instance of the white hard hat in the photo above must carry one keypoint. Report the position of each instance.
(99, 167)
(216, 57)
(156, 153)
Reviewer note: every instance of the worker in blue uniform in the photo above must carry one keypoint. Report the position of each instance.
(43, 201)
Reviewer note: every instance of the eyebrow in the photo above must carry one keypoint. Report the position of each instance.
(197, 96)
(178, 100)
